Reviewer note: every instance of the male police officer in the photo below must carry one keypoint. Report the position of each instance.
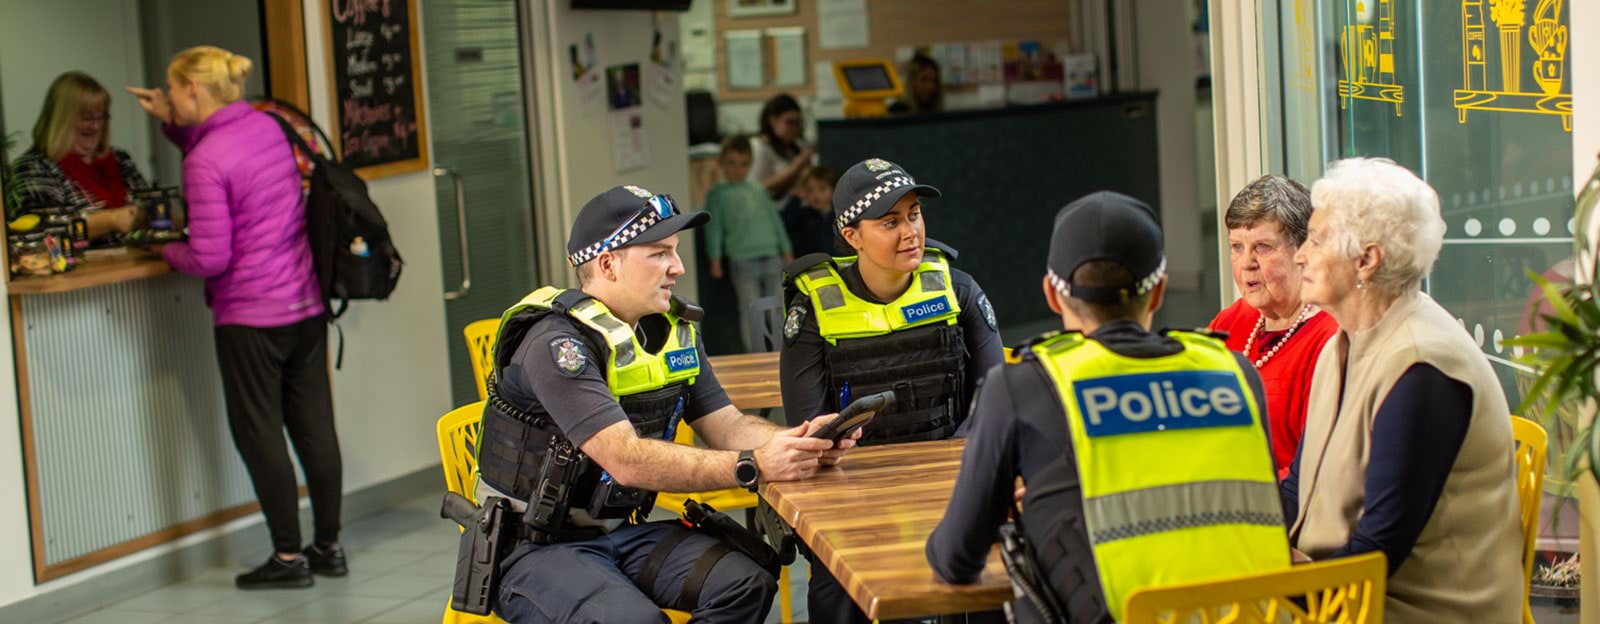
(896, 316)
(1144, 455)
(589, 386)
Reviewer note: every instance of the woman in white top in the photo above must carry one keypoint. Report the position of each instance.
(778, 156)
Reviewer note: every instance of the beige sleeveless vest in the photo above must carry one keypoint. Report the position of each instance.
(1466, 565)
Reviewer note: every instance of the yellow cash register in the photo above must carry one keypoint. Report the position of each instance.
(866, 85)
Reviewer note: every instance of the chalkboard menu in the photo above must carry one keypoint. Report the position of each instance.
(377, 87)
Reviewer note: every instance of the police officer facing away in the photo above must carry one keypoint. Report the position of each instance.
(895, 317)
(589, 386)
(1144, 454)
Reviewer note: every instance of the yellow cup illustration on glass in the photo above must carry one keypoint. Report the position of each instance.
(1549, 39)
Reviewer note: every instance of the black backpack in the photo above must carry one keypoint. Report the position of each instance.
(351, 250)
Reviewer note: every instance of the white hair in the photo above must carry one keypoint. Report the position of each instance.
(1375, 201)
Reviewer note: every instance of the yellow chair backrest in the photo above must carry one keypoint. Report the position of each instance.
(459, 432)
(1529, 457)
(480, 347)
(458, 447)
(1343, 591)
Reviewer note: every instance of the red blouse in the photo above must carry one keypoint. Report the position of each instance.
(100, 179)
(1286, 377)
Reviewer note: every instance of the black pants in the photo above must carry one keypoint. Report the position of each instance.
(276, 378)
(596, 581)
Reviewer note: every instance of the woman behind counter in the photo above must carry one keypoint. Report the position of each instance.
(779, 155)
(247, 238)
(71, 164)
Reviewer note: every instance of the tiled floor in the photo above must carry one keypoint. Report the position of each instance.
(401, 564)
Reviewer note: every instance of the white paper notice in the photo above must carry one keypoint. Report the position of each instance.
(661, 85)
(788, 56)
(630, 148)
(842, 24)
(744, 59)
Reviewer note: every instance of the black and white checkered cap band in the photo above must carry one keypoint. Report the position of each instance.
(867, 199)
(622, 238)
(1141, 288)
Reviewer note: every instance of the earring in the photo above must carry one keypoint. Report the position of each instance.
(1360, 285)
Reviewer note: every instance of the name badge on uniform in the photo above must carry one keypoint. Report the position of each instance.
(682, 360)
(926, 309)
(1153, 402)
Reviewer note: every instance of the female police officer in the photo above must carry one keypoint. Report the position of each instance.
(895, 317)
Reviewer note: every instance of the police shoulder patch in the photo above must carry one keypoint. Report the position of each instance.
(792, 322)
(568, 354)
(988, 312)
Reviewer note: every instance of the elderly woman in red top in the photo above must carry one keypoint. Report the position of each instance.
(1269, 324)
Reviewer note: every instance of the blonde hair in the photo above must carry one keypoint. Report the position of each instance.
(218, 71)
(68, 96)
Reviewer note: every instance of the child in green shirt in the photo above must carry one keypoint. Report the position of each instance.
(745, 228)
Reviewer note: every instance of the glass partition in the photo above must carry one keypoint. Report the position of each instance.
(1474, 96)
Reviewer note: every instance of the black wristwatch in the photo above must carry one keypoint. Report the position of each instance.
(746, 472)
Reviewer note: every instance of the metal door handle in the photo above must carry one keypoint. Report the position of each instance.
(461, 230)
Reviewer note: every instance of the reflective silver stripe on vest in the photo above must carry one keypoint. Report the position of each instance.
(683, 334)
(1183, 506)
(611, 325)
(932, 281)
(831, 297)
(819, 273)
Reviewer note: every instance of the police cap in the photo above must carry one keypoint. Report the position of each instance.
(870, 188)
(623, 216)
(1107, 226)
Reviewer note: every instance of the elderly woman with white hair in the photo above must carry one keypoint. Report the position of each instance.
(1407, 447)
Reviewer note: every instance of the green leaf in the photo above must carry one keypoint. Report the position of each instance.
(1556, 298)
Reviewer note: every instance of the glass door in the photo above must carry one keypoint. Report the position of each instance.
(483, 176)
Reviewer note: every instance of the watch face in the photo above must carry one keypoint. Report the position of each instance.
(745, 472)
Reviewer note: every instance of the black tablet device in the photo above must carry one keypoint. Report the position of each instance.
(859, 412)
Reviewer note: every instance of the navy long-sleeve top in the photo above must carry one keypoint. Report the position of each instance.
(1416, 435)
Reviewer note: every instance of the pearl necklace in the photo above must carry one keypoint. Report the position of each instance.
(1261, 324)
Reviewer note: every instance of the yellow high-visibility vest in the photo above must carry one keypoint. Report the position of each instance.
(1177, 479)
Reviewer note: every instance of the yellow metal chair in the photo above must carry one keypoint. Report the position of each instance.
(1529, 457)
(1339, 591)
(480, 347)
(458, 450)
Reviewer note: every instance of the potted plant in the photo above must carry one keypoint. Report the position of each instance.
(1565, 357)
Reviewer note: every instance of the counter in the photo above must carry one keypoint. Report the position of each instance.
(124, 427)
(100, 268)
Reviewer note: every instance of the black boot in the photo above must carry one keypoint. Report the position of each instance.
(277, 574)
(327, 560)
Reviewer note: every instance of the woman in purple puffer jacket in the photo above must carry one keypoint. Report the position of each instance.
(247, 238)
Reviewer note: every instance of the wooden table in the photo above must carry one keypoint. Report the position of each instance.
(868, 520)
(751, 379)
